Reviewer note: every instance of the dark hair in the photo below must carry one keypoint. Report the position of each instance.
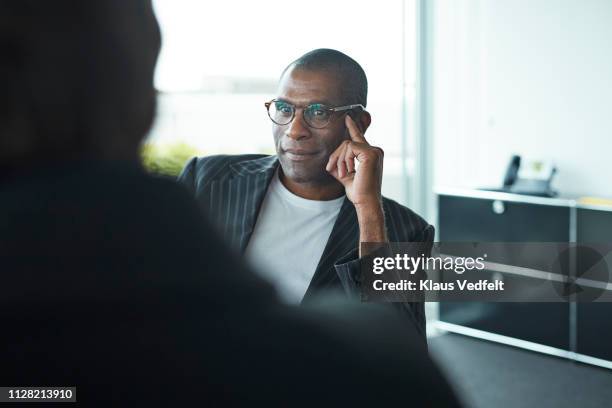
(354, 80)
(78, 77)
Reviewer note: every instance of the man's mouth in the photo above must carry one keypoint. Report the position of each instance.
(299, 154)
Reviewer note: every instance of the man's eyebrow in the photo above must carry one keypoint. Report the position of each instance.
(319, 102)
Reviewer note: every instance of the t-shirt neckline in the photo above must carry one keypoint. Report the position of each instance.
(283, 192)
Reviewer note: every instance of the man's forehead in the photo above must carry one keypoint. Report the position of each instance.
(301, 86)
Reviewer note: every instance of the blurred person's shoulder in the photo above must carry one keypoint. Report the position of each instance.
(117, 217)
(89, 199)
(342, 344)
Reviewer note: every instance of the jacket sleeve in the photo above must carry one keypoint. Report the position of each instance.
(348, 269)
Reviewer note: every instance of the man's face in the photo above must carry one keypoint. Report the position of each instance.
(303, 151)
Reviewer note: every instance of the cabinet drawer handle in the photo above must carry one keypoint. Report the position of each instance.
(499, 207)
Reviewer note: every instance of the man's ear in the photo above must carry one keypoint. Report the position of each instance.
(363, 121)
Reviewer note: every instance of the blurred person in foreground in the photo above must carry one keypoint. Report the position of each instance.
(111, 280)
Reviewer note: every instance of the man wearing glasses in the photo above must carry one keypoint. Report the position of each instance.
(300, 215)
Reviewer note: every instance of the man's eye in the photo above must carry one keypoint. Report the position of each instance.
(319, 112)
(284, 108)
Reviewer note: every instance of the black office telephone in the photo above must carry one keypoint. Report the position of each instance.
(533, 177)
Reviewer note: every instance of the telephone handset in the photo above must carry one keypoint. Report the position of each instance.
(531, 177)
(512, 171)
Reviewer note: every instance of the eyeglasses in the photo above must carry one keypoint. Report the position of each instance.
(315, 115)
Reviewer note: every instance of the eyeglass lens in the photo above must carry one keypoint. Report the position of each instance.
(315, 115)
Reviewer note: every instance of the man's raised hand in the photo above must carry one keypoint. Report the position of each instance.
(363, 181)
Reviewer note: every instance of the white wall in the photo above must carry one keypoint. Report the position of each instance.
(531, 77)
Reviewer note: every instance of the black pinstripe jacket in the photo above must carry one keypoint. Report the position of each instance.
(231, 190)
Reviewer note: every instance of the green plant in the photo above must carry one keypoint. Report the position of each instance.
(167, 159)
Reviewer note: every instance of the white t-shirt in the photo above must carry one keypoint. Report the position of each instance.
(289, 238)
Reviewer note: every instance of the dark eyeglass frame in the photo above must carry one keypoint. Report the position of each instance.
(331, 110)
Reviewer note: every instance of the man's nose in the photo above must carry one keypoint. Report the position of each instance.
(297, 129)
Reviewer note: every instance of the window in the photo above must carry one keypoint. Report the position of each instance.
(219, 64)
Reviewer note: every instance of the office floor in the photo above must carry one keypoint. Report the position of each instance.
(487, 374)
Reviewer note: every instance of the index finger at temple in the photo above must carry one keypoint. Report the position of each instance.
(354, 132)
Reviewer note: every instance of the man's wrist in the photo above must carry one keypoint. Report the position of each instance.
(371, 220)
(369, 209)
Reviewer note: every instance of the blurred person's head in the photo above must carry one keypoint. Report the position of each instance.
(76, 79)
(330, 78)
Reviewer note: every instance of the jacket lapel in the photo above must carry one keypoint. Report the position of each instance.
(240, 197)
(343, 239)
